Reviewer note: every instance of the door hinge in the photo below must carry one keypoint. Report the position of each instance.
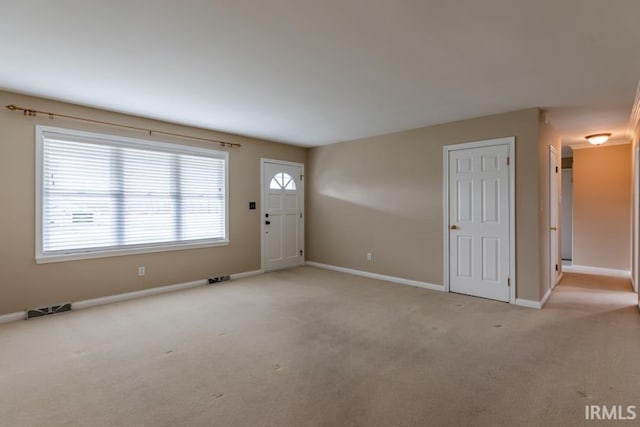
(508, 160)
(556, 169)
(300, 253)
(508, 281)
(300, 214)
(301, 177)
(556, 267)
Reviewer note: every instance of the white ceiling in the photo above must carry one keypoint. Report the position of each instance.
(314, 72)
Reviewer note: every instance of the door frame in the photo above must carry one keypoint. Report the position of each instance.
(510, 142)
(562, 201)
(264, 160)
(636, 217)
(554, 275)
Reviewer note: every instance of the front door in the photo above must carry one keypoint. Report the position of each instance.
(479, 215)
(282, 214)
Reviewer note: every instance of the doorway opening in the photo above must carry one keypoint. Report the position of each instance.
(597, 244)
(566, 209)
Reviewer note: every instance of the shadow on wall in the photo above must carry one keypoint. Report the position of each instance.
(405, 201)
(401, 187)
(400, 242)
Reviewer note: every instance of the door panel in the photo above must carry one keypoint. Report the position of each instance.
(479, 215)
(490, 259)
(465, 201)
(490, 201)
(291, 248)
(291, 201)
(283, 198)
(465, 256)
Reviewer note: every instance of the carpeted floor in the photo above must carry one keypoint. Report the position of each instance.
(308, 347)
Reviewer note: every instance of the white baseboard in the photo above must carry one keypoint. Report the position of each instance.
(528, 303)
(11, 317)
(534, 304)
(585, 269)
(558, 278)
(136, 294)
(246, 274)
(78, 305)
(377, 276)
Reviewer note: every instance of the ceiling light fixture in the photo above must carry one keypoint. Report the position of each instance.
(598, 138)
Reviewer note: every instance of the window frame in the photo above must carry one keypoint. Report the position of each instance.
(128, 142)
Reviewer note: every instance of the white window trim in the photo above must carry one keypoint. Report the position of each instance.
(41, 258)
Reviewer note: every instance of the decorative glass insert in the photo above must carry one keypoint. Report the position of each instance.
(282, 181)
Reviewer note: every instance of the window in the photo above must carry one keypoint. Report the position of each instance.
(100, 195)
(282, 181)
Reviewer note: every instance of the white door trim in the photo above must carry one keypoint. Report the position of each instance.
(636, 217)
(262, 205)
(553, 175)
(511, 143)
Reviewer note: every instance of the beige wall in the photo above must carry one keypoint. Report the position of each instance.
(602, 207)
(384, 195)
(23, 284)
(547, 137)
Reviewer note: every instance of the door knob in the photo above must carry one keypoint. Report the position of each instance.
(453, 227)
(267, 222)
(553, 228)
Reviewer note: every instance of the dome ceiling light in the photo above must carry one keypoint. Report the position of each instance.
(598, 138)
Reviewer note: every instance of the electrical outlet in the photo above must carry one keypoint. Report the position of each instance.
(369, 256)
(141, 271)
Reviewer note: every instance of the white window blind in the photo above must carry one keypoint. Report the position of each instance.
(110, 195)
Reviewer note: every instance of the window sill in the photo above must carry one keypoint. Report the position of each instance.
(46, 259)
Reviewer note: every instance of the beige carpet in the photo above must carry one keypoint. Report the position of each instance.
(308, 347)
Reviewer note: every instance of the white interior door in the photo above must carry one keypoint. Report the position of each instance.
(554, 181)
(282, 214)
(479, 216)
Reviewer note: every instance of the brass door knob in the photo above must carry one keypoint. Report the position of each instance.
(453, 227)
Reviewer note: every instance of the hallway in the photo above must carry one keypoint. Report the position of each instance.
(599, 319)
(593, 294)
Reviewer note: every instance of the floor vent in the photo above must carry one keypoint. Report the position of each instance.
(218, 279)
(47, 311)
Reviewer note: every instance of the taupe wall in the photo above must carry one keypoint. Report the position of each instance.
(602, 206)
(24, 284)
(384, 195)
